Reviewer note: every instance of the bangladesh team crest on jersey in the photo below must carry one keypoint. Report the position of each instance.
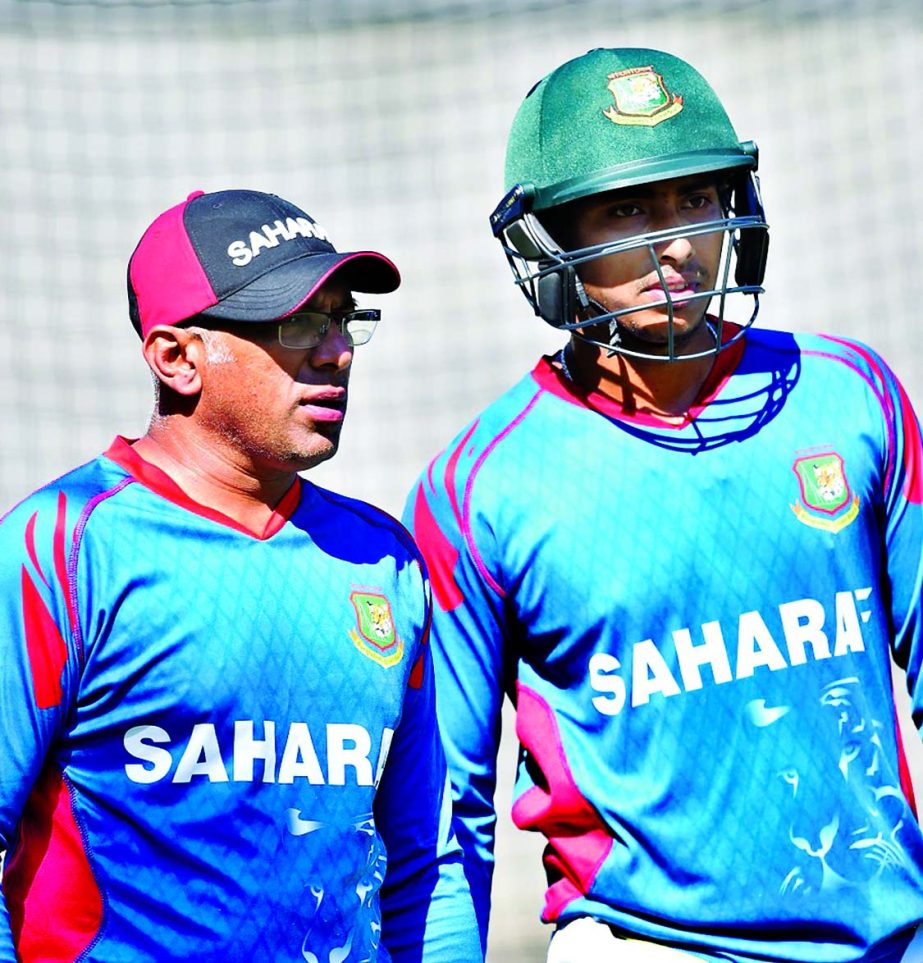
(375, 635)
(826, 500)
(641, 98)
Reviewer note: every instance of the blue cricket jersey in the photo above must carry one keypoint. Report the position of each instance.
(218, 744)
(695, 618)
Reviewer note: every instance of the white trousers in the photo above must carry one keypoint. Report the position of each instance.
(585, 940)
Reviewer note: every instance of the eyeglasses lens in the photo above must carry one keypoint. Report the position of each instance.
(307, 329)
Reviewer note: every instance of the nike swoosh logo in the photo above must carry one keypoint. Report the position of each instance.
(761, 715)
(298, 826)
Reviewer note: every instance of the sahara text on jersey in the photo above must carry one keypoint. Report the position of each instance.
(348, 747)
(803, 623)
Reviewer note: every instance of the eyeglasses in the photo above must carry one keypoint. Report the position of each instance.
(307, 329)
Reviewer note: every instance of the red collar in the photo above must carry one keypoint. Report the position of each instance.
(552, 379)
(152, 477)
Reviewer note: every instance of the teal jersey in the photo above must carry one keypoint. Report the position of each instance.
(220, 744)
(696, 620)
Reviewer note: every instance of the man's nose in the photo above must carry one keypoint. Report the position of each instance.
(336, 350)
(675, 250)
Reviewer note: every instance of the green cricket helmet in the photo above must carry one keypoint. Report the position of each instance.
(613, 119)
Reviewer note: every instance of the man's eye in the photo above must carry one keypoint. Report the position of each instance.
(699, 201)
(625, 210)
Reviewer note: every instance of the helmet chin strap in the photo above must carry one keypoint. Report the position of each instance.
(588, 304)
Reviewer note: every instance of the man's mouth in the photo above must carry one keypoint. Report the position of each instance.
(676, 288)
(327, 404)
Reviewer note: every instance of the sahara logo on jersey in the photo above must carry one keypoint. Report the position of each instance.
(375, 635)
(826, 501)
(641, 98)
(348, 749)
(805, 627)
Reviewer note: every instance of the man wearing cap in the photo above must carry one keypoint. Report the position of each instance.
(216, 695)
(689, 550)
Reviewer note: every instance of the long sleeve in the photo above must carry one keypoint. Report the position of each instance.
(468, 641)
(904, 531)
(425, 890)
(37, 673)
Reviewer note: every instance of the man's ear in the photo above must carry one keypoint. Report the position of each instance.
(175, 355)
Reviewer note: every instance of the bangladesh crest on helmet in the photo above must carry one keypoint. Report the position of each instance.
(375, 635)
(826, 501)
(641, 98)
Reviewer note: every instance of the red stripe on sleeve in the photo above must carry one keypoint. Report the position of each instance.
(416, 673)
(441, 557)
(44, 644)
(54, 902)
(452, 467)
(913, 448)
(60, 556)
(30, 547)
(913, 451)
(903, 767)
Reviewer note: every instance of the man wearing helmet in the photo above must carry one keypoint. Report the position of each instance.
(678, 545)
(654, 304)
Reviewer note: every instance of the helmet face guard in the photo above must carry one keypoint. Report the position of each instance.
(549, 276)
(615, 119)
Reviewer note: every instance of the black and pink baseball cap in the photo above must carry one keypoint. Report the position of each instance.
(240, 256)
